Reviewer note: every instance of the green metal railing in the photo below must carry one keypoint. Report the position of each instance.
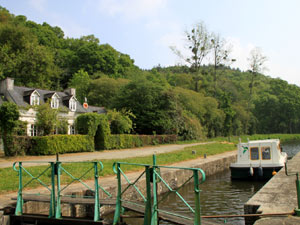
(55, 187)
(152, 173)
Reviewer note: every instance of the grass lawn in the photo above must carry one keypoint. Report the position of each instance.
(9, 179)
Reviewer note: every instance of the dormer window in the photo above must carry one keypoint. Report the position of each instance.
(35, 98)
(72, 104)
(55, 101)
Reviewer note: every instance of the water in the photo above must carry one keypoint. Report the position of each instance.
(219, 195)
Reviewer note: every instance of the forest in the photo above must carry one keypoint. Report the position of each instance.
(194, 100)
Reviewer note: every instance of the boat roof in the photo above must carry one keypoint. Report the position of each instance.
(262, 141)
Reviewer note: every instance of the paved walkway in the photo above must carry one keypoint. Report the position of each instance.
(107, 154)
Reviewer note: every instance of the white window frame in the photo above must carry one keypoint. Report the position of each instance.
(72, 129)
(72, 104)
(33, 130)
(34, 98)
(55, 101)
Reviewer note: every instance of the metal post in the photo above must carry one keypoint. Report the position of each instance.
(148, 210)
(154, 220)
(19, 207)
(297, 211)
(52, 197)
(197, 218)
(118, 203)
(58, 204)
(97, 202)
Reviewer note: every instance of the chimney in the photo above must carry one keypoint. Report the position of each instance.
(70, 91)
(6, 85)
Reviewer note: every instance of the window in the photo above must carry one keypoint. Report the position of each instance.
(54, 102)
(254, 153)
(33, 130)
(34, 98)
(72, 104)
(266, 153)
(72, 129)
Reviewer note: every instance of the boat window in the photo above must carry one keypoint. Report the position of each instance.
(266, 152)
(254, 153)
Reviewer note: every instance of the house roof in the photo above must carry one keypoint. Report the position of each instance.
(19, 95)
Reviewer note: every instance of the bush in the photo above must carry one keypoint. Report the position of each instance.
(17, 145)
(103, 133)
(50, 145)
(120, 141)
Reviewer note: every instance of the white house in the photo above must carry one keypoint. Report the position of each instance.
(25, 97)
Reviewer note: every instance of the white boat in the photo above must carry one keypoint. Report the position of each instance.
(259, 160)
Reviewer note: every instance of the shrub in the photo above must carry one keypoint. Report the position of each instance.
(17, 145)
(120, 141)
(50, 145)
(103, 133)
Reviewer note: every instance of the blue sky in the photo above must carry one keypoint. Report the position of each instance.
(145, 29)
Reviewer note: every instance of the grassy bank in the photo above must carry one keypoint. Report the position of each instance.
(9, 178)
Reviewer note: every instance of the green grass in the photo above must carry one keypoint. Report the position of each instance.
(9, 178)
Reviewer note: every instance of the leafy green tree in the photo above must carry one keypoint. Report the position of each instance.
(153, 106)
(47, 119)
(9, 115)
(229, 114)
(120, 122)
(102, 91)
(80, 81)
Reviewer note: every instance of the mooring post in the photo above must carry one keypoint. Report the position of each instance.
(119, 195)
(148, 209)
(19, 207)
(297, 211)
(154, 220)
(52, 197)
(197, 218)
(97, 202)
(58, 203)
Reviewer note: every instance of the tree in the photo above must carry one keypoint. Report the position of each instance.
(198, 43)
(120, 122)
(220, 53)
(9, 116)
(256, 64)
(80, 81)
(47, 119)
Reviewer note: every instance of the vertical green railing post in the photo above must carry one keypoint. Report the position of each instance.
(19, 207)
(58, 203)
(52, 194)
(148, 209)
(97, 202)
(197, 217)
(154, 219)
(118, 203)
(297, 211)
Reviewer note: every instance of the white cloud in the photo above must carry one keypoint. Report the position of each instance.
(130, 9)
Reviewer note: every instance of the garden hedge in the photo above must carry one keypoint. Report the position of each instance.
(120, 141)
(50, 145)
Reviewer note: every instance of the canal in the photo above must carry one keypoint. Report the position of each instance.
(219, 195)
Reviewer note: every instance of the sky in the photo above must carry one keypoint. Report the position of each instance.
(145, 29)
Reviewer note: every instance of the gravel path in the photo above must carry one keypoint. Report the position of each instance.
(107, 154)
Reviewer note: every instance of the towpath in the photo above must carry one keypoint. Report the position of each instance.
(99, 155)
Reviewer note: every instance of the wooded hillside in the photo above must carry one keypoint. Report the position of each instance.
(175, 100)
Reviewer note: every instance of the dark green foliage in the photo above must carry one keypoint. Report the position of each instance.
(17, 145)
(103, 133)
(62, 127)
(50, 145)
(87, 123)
(47, 119)
(120, 122)
(122, 141)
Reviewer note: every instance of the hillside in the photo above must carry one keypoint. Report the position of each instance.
(161, 100)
